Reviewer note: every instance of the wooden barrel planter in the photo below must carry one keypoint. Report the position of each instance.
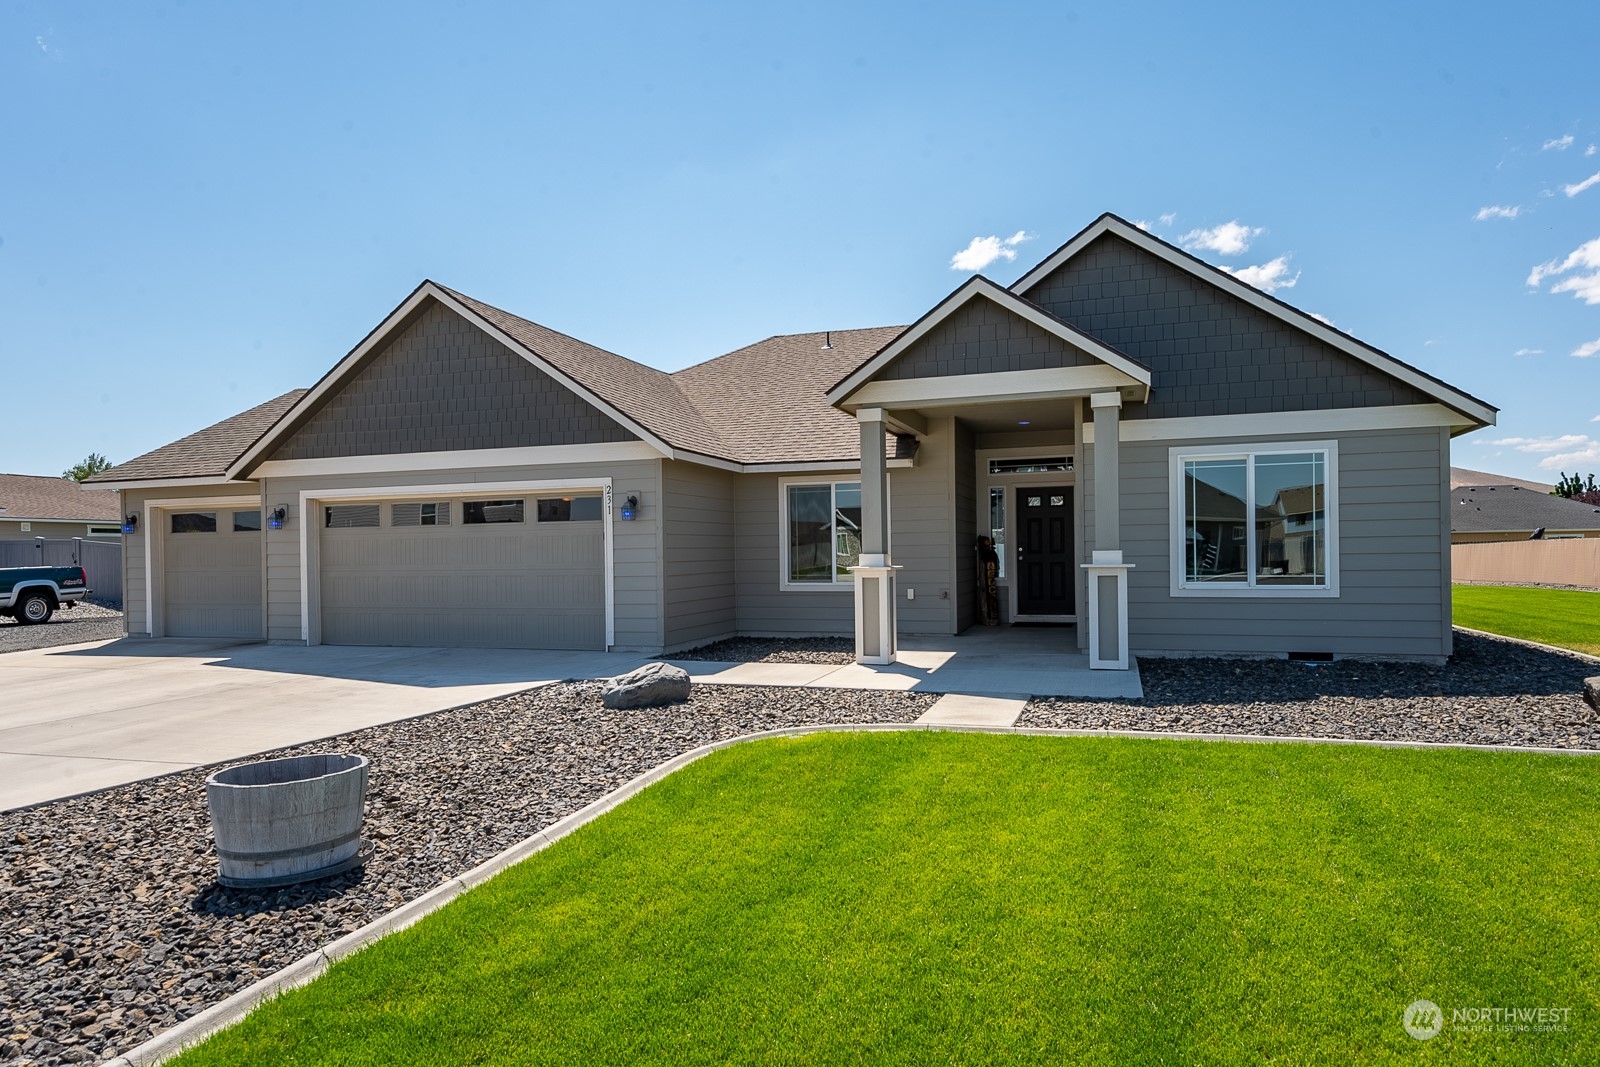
(282, 821)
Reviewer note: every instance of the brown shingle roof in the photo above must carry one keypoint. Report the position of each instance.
(648, 396)
(769, 401)
(206, 453)
(37, 496)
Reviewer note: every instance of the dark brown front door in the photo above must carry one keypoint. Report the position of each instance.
(1044, 551)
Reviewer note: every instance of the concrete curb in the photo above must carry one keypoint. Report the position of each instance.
(220, 1016)
(1531, 644)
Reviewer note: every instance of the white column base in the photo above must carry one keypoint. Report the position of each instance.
(1108, 611)
(875, 607)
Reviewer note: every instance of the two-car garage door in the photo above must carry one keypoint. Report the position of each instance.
(508, 572)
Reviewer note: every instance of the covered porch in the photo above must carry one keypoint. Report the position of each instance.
(1007, 391)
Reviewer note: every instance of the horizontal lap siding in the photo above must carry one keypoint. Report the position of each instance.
(635, 548)
(1391, 599)
(922, 533)
(698, 549)
(761, 606)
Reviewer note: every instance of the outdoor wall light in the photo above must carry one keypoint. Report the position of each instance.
(130, 523)
(277, 517)
(630, 509)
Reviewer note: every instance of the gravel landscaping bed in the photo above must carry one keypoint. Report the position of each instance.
(86, 622)
(1493, 691)
(774, 650)
(112, 926)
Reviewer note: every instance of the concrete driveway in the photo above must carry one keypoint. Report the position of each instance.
(83, 717)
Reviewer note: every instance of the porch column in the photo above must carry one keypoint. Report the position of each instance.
(874, 576)
(1107, 574)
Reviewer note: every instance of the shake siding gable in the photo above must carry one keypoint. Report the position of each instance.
(444, 385)
(1210, 353)
(981, 337)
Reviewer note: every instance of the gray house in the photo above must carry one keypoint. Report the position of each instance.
(1168, 459)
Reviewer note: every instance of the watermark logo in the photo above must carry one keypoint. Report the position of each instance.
(1423, 1020)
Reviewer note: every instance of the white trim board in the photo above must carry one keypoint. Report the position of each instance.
(974, 287)
(469, 459)
(153, 555)
(965, 390)
(1108, 223)
(1277, 423)
(173, 483)
(309, 498)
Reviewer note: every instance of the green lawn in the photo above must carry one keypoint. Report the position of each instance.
(1568, 618)
(928, 898)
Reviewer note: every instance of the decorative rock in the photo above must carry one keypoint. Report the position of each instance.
(1591, 691)
(650, 686)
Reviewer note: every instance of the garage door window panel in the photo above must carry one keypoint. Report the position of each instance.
(351, 516)
(491, 512)
(432, 513)
(187, 522)
(569, 509)
(247, 522)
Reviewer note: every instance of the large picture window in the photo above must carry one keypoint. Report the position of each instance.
(821, 533)
(1255, 521)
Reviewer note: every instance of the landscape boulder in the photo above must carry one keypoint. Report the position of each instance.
(1591, 692)
(650, 686)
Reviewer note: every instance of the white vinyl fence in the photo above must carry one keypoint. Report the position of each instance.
(1561, 562)
(102, 559)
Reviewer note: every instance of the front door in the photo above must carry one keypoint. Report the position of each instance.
(1044, 551)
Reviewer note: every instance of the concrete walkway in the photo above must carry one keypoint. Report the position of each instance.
(985, 661)
(84, 717)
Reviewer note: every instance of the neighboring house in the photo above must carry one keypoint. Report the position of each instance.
(33, 505)
(1460, 476)
(1164, 455)
(1481, 513)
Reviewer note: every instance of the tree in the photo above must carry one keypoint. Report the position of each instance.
(1579, 489)
(93, 464)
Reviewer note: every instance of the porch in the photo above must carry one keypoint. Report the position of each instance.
(991, 661)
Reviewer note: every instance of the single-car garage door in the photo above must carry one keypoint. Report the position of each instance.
(507, 572)
(211, 565)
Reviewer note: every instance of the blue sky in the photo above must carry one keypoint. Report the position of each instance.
(204, 205)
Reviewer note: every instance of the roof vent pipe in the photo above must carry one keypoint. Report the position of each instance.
(827, 341)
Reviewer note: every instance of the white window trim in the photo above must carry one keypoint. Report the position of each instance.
(838, 585)
(1176, 457)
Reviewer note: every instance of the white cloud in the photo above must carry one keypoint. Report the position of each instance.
(1577, 187)
(1585, 287)
(1495, 211)
(1172, 216)
(1591, 150)
(1558, 452)
(1595, 419)
(1229, 239)
(1143, 224)
(1560, 144)
(1430, 342)
(1528, 352)
(1321, 318)
(982, 251)
(1590, 348)
(1269, 276)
